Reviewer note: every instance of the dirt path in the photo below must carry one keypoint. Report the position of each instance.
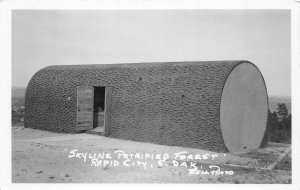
(43, 157)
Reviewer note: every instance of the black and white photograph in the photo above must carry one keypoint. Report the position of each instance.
(151, 96)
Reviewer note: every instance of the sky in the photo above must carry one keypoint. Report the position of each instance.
(71, 37)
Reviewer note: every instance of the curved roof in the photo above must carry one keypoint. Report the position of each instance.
(173, 103)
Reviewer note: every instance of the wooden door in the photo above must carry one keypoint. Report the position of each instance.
(85, 103)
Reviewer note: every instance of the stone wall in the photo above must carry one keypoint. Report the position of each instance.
(164, 103)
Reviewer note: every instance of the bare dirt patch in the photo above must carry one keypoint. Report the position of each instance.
(42, 157)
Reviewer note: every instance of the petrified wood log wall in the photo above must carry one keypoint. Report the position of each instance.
(165, 103)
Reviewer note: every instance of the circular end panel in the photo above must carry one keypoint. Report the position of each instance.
(244, 109)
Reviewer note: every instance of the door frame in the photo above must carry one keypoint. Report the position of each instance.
(107, 108)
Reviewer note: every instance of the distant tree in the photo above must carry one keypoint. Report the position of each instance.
(274, 115)
(290, 118)
(279, 128)
(272, 121)
(287, 123)
(282, 110)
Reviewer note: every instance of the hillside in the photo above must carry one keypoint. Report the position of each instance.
(18, 91)
(18, 96)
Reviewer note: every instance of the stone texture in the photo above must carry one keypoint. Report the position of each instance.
(175, 104)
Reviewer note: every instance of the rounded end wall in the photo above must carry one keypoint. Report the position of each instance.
(244, 109)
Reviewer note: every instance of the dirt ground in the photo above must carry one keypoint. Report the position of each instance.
(46, 157)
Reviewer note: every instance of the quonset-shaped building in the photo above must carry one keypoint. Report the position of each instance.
(218, 105)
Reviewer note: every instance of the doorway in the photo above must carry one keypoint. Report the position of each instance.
(99, 109)
(94, 109)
